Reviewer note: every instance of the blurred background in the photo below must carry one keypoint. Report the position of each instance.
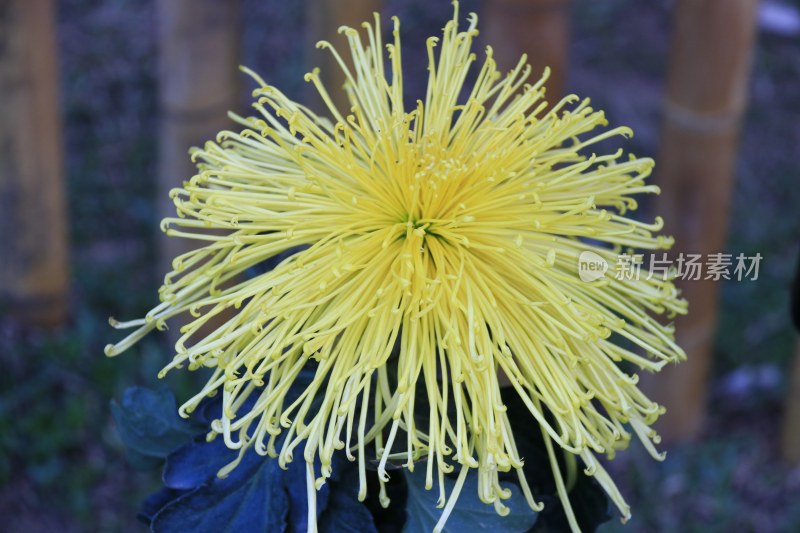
(101, 99)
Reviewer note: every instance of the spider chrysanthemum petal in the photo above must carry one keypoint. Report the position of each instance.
(442, 241)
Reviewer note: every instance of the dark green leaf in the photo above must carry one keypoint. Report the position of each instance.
(149, 426)
(196, 463)
(344, 513)
(155, 502)
(249, 499)
(258, 494)
(470, 514)
(589, 501)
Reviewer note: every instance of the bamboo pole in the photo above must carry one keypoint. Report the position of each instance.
(790, 430)
(198, 47)
(34, 274)
(198, 74)
(706, 95)
(325, 17)
(790, 438)
(538, 28)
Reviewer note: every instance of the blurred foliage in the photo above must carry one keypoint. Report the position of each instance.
(729, 483)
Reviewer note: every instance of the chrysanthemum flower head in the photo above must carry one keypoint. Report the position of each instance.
(440, 240)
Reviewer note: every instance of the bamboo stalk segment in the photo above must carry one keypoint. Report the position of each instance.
(198, 74)
(325, 17)
(34, 275)
(538, 28)
(790, 439)
(706, 95)
(198, 62)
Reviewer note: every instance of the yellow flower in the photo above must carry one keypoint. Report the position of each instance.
(446, 236)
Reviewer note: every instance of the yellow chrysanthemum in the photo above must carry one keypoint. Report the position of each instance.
(447, 236)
